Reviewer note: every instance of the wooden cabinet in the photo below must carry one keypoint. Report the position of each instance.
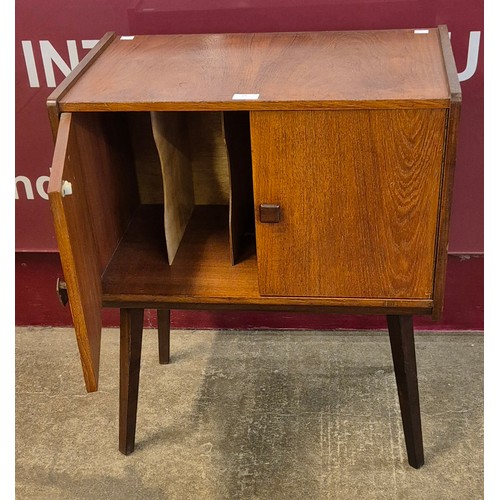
(271, 171)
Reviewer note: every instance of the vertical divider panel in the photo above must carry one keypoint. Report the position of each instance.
(236, 128)
(172, 141)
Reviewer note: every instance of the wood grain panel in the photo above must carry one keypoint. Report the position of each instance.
(287, 70)
(106, 169)
(260, 105)
(146, 158)
(358, 201)
(92, 155)
(202, 276)
(208, 157)
(203, 147)
(77, 249)
(173, 147)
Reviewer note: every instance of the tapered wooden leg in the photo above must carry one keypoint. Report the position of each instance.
(405, 368)
(164, 335)
(131, 323)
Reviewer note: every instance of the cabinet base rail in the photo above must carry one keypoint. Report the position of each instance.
(403, 355)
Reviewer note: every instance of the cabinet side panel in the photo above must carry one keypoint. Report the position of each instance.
(78, 252)
(445, 208)
(448, 171)
(358, 193)
(172, 142)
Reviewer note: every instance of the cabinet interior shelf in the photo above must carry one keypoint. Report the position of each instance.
(202, 268)
(202, 273)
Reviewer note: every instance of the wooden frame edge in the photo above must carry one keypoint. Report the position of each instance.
(447, 178)
(67, 263)
(60, 91)
(449, 64)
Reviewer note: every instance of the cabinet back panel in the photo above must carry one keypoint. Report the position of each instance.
(358, 192)
(204, 146)
(146, 158)
(208, 158)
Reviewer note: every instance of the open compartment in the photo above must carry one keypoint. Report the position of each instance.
(195, 218)
(196, 160)
(115, 175)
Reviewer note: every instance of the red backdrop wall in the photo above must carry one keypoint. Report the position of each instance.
(52, 36)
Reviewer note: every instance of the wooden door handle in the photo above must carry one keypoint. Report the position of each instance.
(270, 213)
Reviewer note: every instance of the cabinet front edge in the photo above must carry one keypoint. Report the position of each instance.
(254, 106)
(272, 304)
(53, 101)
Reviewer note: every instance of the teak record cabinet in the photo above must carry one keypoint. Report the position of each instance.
(268, 171)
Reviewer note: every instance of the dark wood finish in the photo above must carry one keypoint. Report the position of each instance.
(91, 154)
(54, 98)
(359, 201)
(131, 325)
(202, 275)
(448, 172)
(164, 335)
(405, 369)
(360, 69)
(236, 126)
(269, 213)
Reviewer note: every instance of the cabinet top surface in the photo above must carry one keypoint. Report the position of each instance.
(386, 68)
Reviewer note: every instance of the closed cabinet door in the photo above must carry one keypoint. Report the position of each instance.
(347, 201)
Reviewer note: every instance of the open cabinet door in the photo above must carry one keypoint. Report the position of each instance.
(77, 248)
(93, 194)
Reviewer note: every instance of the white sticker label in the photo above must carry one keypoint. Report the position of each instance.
(421, 32)
(127, 37)
(245, 97)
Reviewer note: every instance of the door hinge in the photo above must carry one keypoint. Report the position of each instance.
(66, 188)
(62, 291)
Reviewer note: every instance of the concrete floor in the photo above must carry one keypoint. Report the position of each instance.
(250, 415)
